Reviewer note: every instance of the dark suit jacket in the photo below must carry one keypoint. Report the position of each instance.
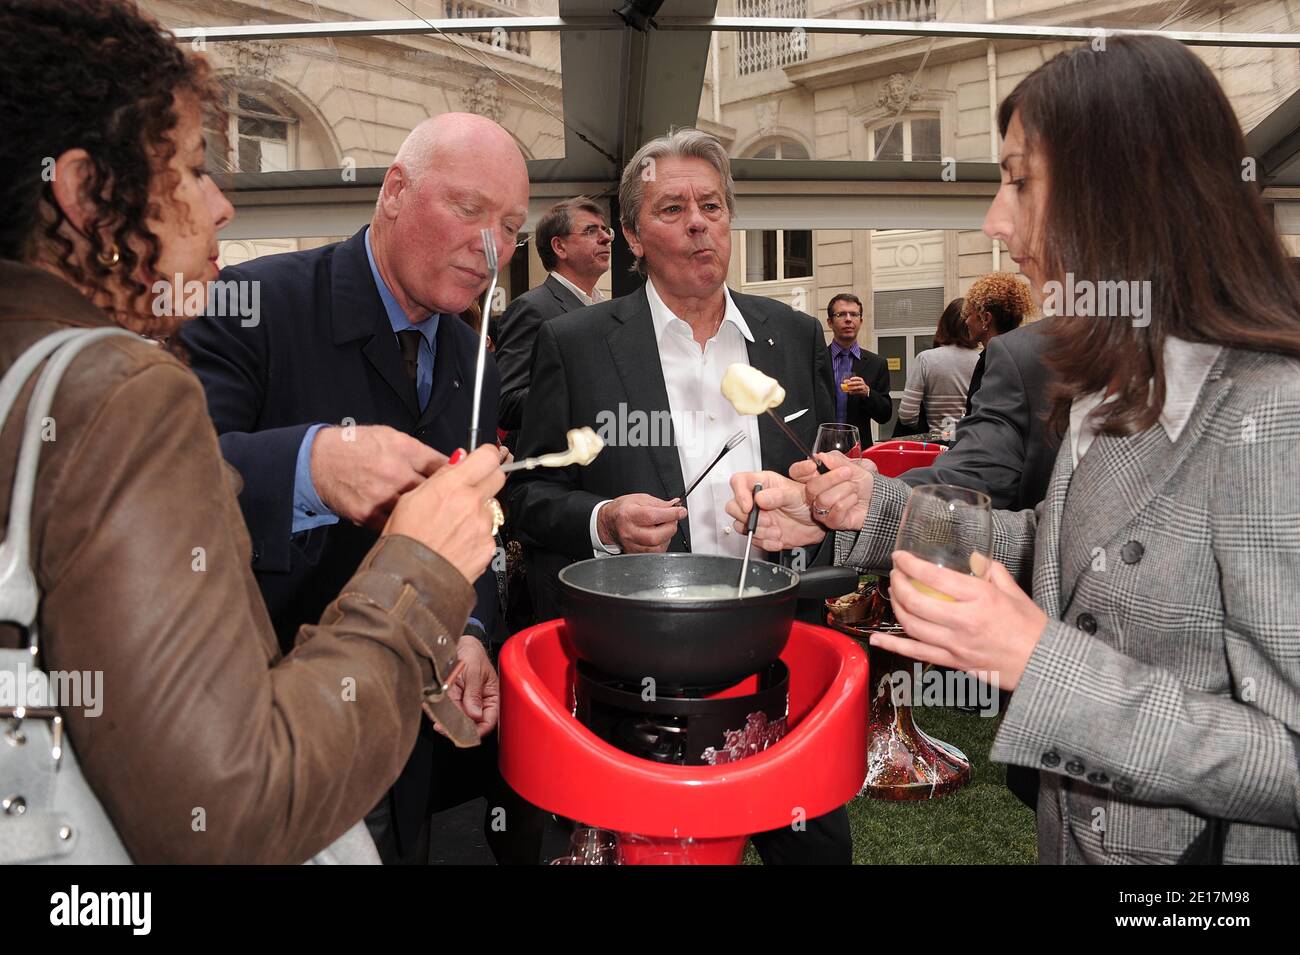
(595, 359)
(976, 379)
(322, 351)
(519, 327)
(872, 369)
(1003, 447)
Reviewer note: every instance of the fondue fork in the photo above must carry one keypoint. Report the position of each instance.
(821, 468)
(733, 442)
(749, 541)
(489, 253)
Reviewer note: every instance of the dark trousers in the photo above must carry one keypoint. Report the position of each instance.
(438, 776)
(826, 840)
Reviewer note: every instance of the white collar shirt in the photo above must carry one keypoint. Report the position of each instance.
(703, 419)
(1187, 365)
(582, 296)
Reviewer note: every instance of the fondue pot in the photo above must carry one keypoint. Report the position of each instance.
(622, 618)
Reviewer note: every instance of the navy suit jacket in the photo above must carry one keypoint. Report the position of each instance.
(323, 351)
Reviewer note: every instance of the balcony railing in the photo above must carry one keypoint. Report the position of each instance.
(501, 39)
(914, 11)
(756, 52)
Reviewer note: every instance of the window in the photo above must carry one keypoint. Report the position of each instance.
(776, 254)
(773, 255)
(905, 139)
(258, 135)
(780, 149)
(756, 52)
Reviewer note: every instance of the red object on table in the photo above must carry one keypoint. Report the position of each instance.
(895, 457)
(555, 762)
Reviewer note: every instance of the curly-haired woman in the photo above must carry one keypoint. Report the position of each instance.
(207, 744)
(995, 304)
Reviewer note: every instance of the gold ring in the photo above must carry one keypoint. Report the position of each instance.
(498, 516)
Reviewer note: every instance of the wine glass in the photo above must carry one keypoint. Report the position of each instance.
(948, 526)
(843, 438)
(596, 846)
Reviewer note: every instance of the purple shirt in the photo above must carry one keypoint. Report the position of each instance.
(842, 360)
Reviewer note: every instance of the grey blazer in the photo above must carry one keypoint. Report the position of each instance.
(1166, 686)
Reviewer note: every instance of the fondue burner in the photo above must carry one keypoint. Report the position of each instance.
(688, 726)
(554, 761)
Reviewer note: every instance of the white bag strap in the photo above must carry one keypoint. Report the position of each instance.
(19, 595)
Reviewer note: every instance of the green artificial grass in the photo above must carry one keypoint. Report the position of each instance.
(983, 823)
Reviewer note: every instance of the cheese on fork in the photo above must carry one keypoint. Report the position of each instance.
(584, 445)
(749, 390)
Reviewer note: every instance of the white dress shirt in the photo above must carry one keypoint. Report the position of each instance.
(583, 297)
(703, 420)
(1187, 365)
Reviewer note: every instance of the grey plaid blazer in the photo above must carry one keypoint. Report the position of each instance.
(1166, 687)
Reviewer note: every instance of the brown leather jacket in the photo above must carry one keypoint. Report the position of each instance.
(199, 711)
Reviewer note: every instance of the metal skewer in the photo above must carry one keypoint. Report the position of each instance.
(821, 468)
(749, 541)
(489, 253)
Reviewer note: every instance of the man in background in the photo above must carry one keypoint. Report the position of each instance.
(573, 241)
(861, 376)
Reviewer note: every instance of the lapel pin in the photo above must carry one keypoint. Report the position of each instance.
(455, 383)
(770, 342)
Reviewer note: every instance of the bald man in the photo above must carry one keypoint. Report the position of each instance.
(350, 384)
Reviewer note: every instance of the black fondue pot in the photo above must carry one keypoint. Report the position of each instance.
(686, 643)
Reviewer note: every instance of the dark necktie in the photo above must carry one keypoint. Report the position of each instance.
(409, 340)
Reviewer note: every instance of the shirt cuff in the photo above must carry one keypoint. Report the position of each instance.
(308, 509)
(598, 547)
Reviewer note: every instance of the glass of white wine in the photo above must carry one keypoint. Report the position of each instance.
(948, 526)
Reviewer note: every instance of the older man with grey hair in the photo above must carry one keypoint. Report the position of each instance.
(627, 366)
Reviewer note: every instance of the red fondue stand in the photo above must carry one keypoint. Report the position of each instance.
(555, 762)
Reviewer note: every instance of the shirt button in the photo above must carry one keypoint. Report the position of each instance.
(310, 513)
(1087, 623)
(1132, 552)
(1051, 759)
(726, 530)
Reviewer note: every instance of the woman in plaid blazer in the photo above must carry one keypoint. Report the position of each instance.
(1157, 668)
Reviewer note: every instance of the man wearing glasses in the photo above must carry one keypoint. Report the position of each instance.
(573, 242)
(861, 376)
